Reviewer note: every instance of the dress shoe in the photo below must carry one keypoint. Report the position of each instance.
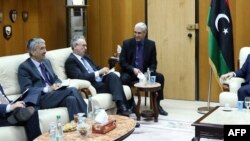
(132, 109)
(137, 125)
(122, 110)
(21, 115)
(162, 111)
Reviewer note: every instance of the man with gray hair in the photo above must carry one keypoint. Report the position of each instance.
(137, 55)
(79, 65)
(37, 75)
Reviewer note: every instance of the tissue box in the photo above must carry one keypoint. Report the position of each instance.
(104, 128)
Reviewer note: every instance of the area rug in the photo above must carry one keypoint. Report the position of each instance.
(164, 129)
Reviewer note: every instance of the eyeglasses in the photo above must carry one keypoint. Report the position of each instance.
(84, 45)
(137, 32)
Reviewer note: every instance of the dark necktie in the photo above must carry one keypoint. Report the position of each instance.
(44, 73)
(139, 56)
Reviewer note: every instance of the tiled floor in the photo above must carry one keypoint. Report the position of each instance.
(174, 127)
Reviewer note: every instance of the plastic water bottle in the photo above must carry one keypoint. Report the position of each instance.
(59, 131)
(90, 108)
(52, 131)
(148, 75)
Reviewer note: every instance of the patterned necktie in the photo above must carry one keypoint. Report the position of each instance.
(44, 73)
(3, 99)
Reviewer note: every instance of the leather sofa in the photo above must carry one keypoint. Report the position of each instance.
(8, 79)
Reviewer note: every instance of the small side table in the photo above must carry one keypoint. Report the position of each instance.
(152, 89)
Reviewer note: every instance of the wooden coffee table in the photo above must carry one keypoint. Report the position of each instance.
(124, 127)
(211, 125)
(152, 89)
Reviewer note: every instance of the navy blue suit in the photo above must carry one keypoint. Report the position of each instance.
(31, 126)
(29, 77)
(244, 72)
(127, 62)
(110, 83)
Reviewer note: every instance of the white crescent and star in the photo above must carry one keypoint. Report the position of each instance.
(220, 16)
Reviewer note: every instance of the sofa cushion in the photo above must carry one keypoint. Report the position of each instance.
(13, 133)
(8, 74)
(57, 58)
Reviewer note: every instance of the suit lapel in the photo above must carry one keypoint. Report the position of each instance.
(33, 67)
(78, 63)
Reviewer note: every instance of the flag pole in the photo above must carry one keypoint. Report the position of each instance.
(204, 110)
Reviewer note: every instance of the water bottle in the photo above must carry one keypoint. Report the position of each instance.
(52, 131)
(148, 75)
(90, 108)
(59, 131)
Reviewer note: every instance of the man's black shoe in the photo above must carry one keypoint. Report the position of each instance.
(137, 124)
(122, 110)
(132, 109)
(162, 111)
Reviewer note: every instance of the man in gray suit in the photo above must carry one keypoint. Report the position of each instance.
(36, 73)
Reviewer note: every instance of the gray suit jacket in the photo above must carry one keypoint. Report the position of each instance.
(29, 77)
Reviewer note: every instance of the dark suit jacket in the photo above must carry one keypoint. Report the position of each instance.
(75, 70)
(128, 55)
(29, 77)
(244, 72)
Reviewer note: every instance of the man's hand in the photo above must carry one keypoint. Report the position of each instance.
(226, 76)
(103, 71)
(17, 104)
(54, 87)
(136, 71)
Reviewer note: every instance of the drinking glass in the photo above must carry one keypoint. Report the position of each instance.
(247, 103)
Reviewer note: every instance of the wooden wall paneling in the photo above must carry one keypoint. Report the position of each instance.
(109, 23)
(52, 23)
(2, 40)
(31, 26)
(241, 26)
(93, 31)
(106, 31)
(12, 45)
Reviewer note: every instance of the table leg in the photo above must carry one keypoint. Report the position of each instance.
(137, 112)
(153, 96)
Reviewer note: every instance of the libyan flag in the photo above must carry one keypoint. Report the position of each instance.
(221, 52)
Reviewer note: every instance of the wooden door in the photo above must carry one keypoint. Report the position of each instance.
(167, 26)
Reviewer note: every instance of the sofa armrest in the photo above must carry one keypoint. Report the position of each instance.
(235, 84)
(79, 84)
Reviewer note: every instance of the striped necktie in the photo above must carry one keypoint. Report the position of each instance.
(45, 75)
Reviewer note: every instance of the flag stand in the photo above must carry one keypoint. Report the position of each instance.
(204, 110)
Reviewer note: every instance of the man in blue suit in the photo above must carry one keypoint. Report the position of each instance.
(137, 55)
(6, 110)
(243, 72)
(36, 73)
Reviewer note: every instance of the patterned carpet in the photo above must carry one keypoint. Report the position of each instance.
(174, 127)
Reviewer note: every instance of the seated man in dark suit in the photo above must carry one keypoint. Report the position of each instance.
(138, 54)
(30, 121)
(80, 66)
(243, 72)
(36, 73)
